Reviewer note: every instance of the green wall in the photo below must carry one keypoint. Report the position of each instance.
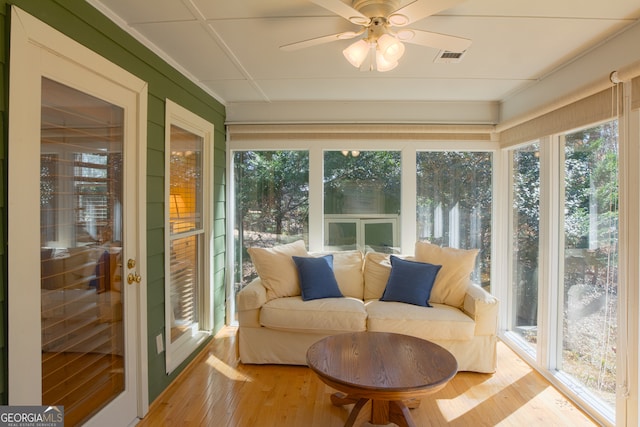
(83, 23)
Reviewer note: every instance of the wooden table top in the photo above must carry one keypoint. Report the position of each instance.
(382, 365)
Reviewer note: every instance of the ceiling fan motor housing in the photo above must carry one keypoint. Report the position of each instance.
(377, 28)
(376, 8)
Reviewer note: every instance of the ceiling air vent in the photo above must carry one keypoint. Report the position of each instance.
(448, 57)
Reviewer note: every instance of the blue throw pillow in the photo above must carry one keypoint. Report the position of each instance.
(316, 277)
(410, 282)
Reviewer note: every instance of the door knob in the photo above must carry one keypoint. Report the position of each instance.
(134, 277)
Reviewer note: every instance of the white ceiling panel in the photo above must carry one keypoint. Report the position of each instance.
(262, 54)
(240, 90)
(599, 9)
(148, 10)
(519, 48)
(374, 89)
(258, 9)
(232, 48)
(193, 47)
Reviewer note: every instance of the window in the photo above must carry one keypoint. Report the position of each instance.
(350, 199)
(271, 204)
(589, 268)
(454, 203)
(525, 242)
(362, 200)
(188, 304)
(564, 254)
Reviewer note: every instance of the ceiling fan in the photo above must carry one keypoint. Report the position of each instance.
(381, 46)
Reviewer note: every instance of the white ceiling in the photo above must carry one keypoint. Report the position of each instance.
(231, 47)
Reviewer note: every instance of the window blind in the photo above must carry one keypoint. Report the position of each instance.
(184, 280)
(352, 131)
(186, 229)
(635, 93)
(592, 109)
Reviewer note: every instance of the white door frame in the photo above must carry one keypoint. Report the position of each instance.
(31, 41)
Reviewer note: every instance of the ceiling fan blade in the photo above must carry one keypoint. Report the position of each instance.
(439, 41)
(344, 10)
(320, 40)
(419, 9)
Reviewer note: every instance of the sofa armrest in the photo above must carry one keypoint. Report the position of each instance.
(483, 308)
(253, 296)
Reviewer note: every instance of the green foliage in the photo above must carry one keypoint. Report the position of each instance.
(367, 165)
(274, 196)
(591, 185)
(455, 175)
(456, 186)
(369, 169)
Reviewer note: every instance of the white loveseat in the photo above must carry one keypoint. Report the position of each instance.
(276, 326)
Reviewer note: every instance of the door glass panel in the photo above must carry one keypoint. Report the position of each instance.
(81, 242)
(590, 278)
(525, 239)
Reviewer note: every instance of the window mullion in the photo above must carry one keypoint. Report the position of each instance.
(551, 191)
(316, 198)
(629, 247)
(408, 187)
(502, 250)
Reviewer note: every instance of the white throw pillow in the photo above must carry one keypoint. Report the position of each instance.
(347, 267)
(377, 269)
(454, 277)
(277, 270)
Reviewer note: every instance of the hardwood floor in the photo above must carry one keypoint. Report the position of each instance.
(217, 390)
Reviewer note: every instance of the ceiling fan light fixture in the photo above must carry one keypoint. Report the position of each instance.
(356, 52)
(390, 47)
(382, 65)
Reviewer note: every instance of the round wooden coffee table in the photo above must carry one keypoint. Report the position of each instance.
(391, 370)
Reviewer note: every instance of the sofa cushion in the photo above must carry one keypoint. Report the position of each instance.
(439, 322)
(454, 276)
(410, 282)
(316, 277)
(377, 268)
(321, 316)
(347, 267)
(277, 269)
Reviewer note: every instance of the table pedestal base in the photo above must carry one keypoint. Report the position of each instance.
(382, 411)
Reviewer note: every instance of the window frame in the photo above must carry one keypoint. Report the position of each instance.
(178, 351)
(360, 221)
(408, 149)
(530, 350)
(547, 356)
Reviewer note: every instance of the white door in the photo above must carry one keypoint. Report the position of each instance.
(77, 304)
